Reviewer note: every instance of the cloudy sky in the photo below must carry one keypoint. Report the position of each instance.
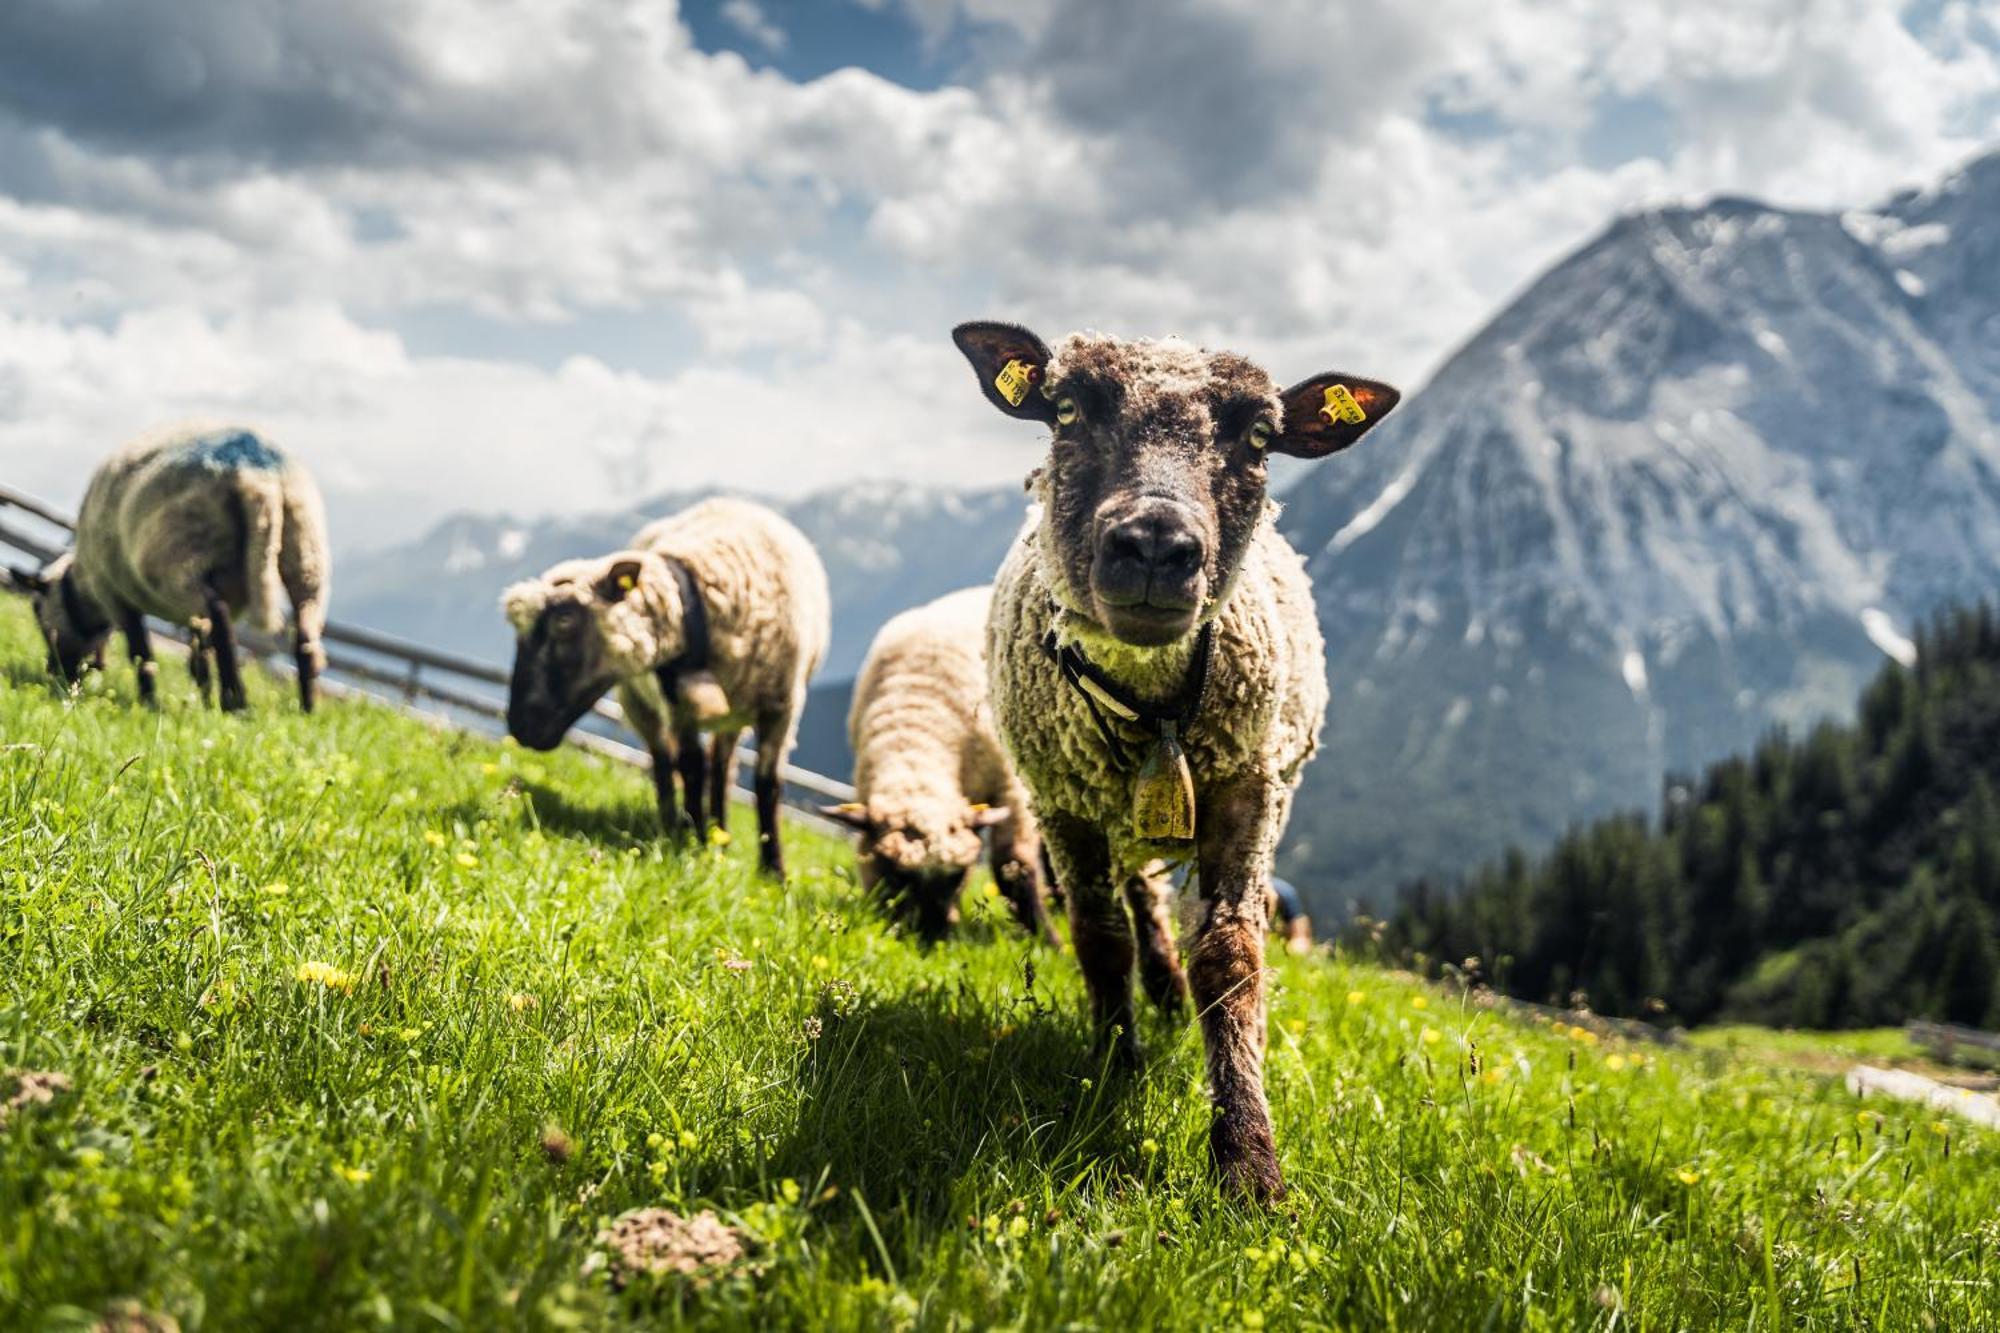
(541, 255)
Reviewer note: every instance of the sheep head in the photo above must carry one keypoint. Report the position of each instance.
(917, 858)
(581, 628)
(1156, 476)
(71, 646)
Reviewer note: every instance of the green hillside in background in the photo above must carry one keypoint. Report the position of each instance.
(350, 1022)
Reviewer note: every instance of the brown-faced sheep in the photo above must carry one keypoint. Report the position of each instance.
(930, 773)
(715, 621)
(1158, 675)
(194, 524)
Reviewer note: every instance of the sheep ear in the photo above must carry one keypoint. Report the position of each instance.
(851, 813)
(1011, 363)
(1326, 413)
(986, 816)
(27, 580)
(615, 582)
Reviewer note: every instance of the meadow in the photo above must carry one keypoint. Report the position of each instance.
(369, 1024)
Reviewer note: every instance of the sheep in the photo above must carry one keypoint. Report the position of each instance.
(194, 524)
(1157, 672)
(930, 773)
(715, 620)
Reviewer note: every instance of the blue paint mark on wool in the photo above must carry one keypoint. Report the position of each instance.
(234, 450)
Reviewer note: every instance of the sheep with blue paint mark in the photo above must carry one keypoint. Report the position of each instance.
(197, 525)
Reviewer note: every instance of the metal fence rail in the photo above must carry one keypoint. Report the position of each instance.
(385, 666)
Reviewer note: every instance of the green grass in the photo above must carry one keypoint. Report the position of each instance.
(915, 1138)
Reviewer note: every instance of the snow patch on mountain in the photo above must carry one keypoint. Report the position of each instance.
(1883, 634)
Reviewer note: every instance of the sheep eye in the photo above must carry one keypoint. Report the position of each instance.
(1067, 412)
(1260, 434)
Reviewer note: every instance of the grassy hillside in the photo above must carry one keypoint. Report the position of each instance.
(367, 1025)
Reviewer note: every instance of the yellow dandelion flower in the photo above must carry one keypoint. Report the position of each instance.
(1614, 1062)
(688, 1140)
(520, 1001)
(434, 838)
(276, 889)
(1864, 1117)
(1419, 1002)
(1431, 1036)
(1356, 997)
(655, 1139)
(316, 973)
(1296, 1026)
(821, 961)
(788, 1190)
(1149, 1147)
(1688, 1175)
(718, 836)
(489, 769)
(466, 859)
(1491, 1076)
(353, 1175)
(1940, 1127)
(1637, 1058)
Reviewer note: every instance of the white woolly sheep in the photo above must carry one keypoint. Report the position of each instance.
(715, 621)
(194, 525)
(930, 773)
(1158, 675)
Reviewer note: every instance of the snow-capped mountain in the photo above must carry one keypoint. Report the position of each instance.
(1696, 480)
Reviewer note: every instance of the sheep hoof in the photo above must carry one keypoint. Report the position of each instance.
(1247, 1161)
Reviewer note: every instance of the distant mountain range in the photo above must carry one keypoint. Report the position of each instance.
(1694, 482)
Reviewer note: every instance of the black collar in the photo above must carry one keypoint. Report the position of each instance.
(693, 655)
(86, 620)
(1101, 694)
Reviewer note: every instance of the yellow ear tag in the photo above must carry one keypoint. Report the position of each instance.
(625, 583)
(1340, 406)
(1012, 382)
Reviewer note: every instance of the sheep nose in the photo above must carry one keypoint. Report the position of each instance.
(1154, 546)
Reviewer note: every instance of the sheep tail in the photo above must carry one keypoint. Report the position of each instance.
(262, 493)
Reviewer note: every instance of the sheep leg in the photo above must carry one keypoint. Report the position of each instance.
(228, 671)
(694, 775)
(721, 774)
(139, 643)
(773, 739)
(1226, 967)
(305, 654)
(1100, 933)
(1151, 899)
(198, 662)
(1015, 853)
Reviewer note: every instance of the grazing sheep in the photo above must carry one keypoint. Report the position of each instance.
(1158, 676)
(715, 621)
(194, 524)
(930, 772)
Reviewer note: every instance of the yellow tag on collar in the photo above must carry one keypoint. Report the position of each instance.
(1341, 406)
(1012, 382)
